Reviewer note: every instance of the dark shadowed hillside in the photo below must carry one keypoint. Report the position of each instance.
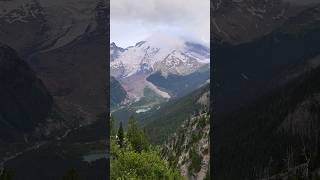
(256, 139)
(267, 103)
(165, 121)
(118, 93)
(54, 107)
(179, 86)
(24, 100)
(249, 70)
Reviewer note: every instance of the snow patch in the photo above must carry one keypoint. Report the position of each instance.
(142, 110)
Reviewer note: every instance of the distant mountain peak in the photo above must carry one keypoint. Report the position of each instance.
(153, 54)
(140, 43)
(160, 53)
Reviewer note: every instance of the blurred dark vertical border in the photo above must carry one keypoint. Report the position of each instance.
(212, 69)
(265, 104)
(52, 97)
(107, 21)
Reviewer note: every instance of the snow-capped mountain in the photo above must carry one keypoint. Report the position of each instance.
(115, 51)
(162, 54)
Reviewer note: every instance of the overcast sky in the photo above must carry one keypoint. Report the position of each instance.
(132, 21)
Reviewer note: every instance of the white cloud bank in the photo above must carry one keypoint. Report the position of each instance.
(135, 20)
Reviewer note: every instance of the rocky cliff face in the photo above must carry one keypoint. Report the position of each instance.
(188, 148)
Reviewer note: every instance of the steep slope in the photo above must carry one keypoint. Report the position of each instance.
(275, 135)
(118, 94)
(178, 86)
(66, 48)
(161, 54)
(188, 149)
(266, 103)
(160, 124)
(24, 100)
(249, 70)
(64, 43)
(75, 74)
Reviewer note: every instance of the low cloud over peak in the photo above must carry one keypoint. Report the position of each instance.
(132, 20)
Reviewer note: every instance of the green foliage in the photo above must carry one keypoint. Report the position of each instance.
(131, 161)
(132, 128)
(71, 174)
(195, 137)
(196, 160)
(172, 160)
(7, 174)
(112, 126)
(202, 122)
(120, 135)
(173, 83)
(170, 116)
(151, 100)
(136, 136)
(144, 165)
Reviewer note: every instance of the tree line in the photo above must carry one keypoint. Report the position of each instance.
(133, 157)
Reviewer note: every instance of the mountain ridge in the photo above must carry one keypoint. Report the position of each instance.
(160, 53)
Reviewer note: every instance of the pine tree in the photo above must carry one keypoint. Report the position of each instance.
(120, 135)
(132, 129)
(136, 136)
(112, 127)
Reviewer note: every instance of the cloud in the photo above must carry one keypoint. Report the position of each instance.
(142, 17)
